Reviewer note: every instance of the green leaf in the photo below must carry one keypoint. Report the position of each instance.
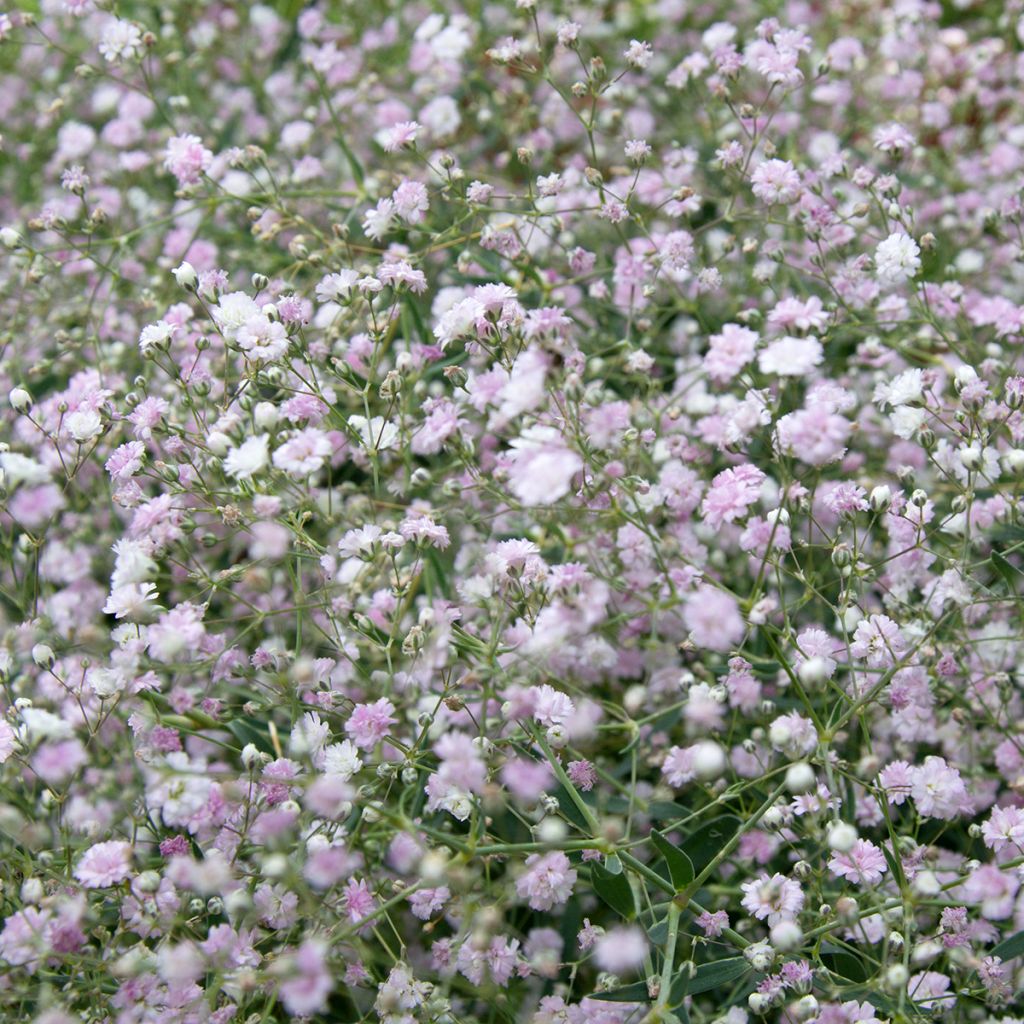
(614, 889)
(680, 867)
(568, 807)
(1011, 947)
(845, 965)
(665, 810)
(247, 731)
(635, 993)
(709, 976)
(712, 975)
(702, 845)
(1006, 570)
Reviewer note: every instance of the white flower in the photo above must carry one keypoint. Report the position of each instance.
(906, 421)
(334, 287)
(904, 389)
(897, 258)
(791, 357)
(542, 466)
(20, 469)
(248, 458)
(342, 759)
(106, 682)
(133, 563)
(375, 434)
(460, 320)
(232, 311)
(83, 425)
(185, 275)
(121, 40)
(156, 335)
(45, 725)
(132, 601)
(303, 453)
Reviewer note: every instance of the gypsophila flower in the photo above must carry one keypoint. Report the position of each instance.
(897, 258)
(466, 479)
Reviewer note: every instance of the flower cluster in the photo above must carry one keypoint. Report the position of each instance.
(511, 512)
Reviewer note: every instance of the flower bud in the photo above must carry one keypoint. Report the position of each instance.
(806, 1008)
(1013, 461)
(964, 375)
(970, 457)
(786, 936)
(43, 656)
(895, 978)
(32, 890)
(757, 1002)
(881, 498)
(147, 881)
(841, 556)
(709, 761)
(218, 442)
(20, 399)
(186, 276)
(759, 955)
(800, 777)
(813, 672)
(557, 736)
(841, 837)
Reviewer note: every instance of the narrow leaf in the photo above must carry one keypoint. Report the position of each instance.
(680, 867)
(702, 845)
(614, 889)
(1011, 947)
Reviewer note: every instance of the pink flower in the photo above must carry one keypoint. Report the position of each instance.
(732, 493)
(878, 641)
(548, 881)
(863, 865)
(931, 990)
(359, 900)
(993, 889)
(775, 181)
(305, 992)
(582, 775)
(1005, 827)
(773, 899)
(8, 739)
(713, 618)
(621, 950)
(401, 134)
(937, 789)
(105, 864)
(370, 723)
(713, 923)
(729, 351)
(542, 466)
(187, 158)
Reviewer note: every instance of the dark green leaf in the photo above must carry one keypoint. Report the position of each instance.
(614, 889)
(680, 867)
(702, 845)
(568, 807)
(247, 731)
(710, 976)
(635, 993)
(665, 810)
(1011, 947)
(1008, 572)
(846, 965)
